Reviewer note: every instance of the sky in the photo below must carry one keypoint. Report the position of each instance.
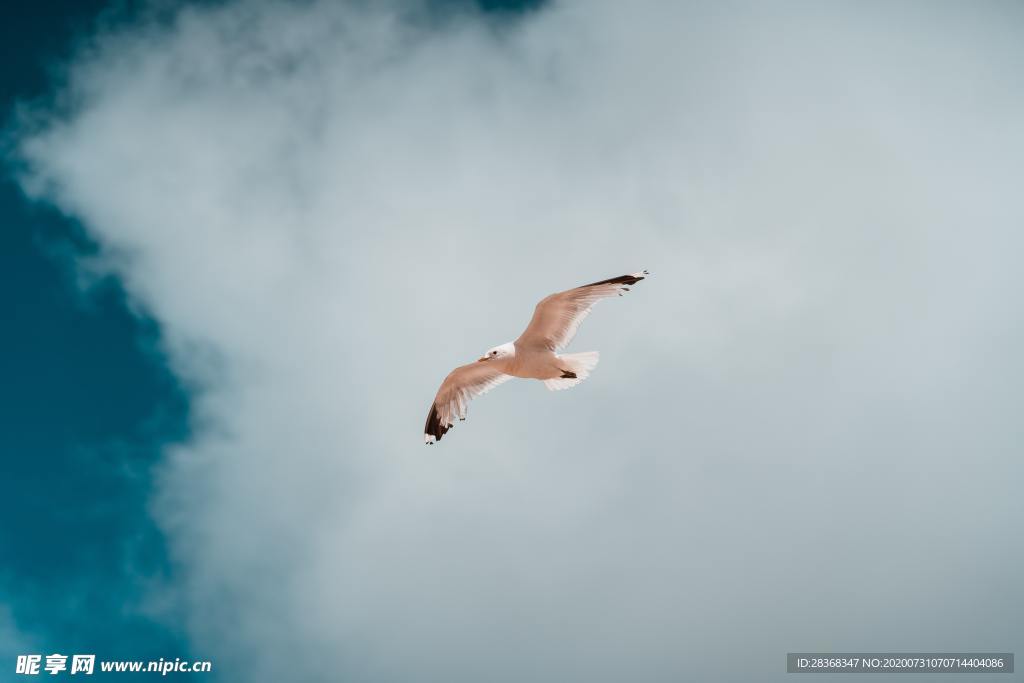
(247, 240)
(87, 406)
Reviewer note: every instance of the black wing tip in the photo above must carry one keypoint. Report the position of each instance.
(631, 279)
(434, 429)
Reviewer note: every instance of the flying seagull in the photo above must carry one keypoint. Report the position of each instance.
(533, 356)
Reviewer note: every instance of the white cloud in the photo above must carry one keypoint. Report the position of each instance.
(803, 433)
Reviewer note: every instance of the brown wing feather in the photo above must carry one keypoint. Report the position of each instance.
(460, 386)
(557, 317)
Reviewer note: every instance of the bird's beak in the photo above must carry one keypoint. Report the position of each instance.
(481, 359)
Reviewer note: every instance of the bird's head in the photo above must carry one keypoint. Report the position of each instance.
(503, 351)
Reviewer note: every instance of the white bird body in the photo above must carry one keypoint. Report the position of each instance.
(532, 364)
(534, 355)
(540, 363)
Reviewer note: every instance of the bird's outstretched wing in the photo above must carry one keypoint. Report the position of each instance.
(460, 386)
(557, 317)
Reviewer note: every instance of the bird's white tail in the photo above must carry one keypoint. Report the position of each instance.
(579, 364)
